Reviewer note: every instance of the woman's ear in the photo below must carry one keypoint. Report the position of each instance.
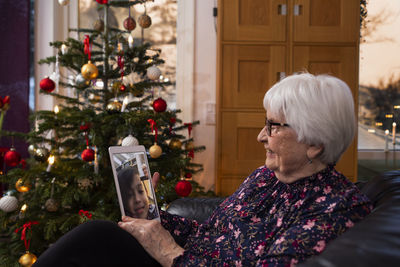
(314, 151)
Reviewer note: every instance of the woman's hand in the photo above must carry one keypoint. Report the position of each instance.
(157, 241)
(156, 178)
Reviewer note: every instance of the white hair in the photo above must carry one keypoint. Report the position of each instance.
(320, 109)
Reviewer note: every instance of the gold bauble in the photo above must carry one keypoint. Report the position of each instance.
(94, 98)
(175, 143)
(116, 85)
(155, 151)
(189, 146)
(22, 186)
(114, 105)
(89, 71)
(28, 259)
(144, 21)
(51, 205)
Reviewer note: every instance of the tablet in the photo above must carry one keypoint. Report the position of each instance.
(133, 183)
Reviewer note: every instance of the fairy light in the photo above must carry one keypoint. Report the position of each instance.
(51, 161)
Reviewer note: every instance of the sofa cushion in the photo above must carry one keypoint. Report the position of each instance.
(198, 209)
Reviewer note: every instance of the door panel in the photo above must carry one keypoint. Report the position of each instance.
(249, 70)
(256, 20)
(241, 153)
(326, 20)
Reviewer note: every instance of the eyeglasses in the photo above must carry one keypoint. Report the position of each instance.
(269, 124)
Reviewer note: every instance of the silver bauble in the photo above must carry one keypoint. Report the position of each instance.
(130, 141)
(51, 205)
(153, 73)
(81, 82)
(41, 154)
(8, 203)
(31, 149)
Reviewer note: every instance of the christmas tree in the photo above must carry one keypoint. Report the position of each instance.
(115, 101)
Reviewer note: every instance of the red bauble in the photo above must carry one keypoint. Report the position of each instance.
(122, 88)
(129, 24)
(183, 188)
(12, 158)
(103, 2)
(159, 105)
(88, 154)
(47, 84)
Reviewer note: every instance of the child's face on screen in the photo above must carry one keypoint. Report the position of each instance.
(138, 202)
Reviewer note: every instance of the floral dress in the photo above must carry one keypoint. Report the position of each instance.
(269, 223)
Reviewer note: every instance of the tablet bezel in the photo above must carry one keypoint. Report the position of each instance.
(130, 149)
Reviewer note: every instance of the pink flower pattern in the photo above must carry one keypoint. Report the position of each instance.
(270, 225)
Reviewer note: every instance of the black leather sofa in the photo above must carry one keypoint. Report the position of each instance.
(375, 241)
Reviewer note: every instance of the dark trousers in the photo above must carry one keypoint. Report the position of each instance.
(96, 243)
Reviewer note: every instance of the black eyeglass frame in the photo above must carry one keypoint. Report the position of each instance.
(269, 124)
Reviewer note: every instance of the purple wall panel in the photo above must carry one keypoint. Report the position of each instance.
(14, 67)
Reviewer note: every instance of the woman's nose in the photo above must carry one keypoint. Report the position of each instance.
(262, 136)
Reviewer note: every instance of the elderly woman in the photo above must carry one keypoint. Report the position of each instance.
(283, 213)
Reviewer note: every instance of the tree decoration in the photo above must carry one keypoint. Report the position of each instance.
(189, 146)
(155, 150)
(81, 82)
(84, 215)
(102, 2)
(47, 84)
(12, 157)
(8, 203)
(129, 24)
(114, 105)
(85, 183)
(87, 154)
(144, 21)
(28, 259)
(153, 73)
(22, 186)
(175, 143)
(120, 62)
(31, 149)
(41, 154)
(89, 71)
(130, 141)
(159, 105)
(183, 188)
(63, 2)
(51, 204)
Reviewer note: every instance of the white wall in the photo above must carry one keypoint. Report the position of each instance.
(205, 62)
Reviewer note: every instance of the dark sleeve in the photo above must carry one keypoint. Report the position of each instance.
(179, 227)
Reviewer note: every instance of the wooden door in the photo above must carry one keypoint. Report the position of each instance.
(240, 151)
(326, 20)
(341, 62)
(255, 20)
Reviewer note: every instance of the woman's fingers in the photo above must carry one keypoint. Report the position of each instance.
(156, 178)
(127, 219)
